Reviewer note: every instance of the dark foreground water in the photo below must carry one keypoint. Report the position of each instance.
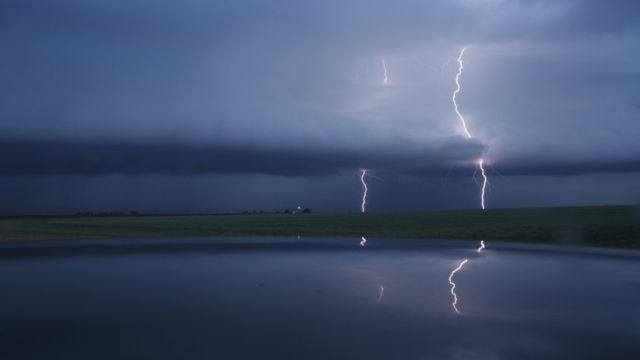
(315, 299)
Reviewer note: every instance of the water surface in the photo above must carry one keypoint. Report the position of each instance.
(281, 298)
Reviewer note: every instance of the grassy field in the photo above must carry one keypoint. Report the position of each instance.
(609, 226)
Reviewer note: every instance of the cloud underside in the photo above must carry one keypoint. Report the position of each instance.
(453, 158)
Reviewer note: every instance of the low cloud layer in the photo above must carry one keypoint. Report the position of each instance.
(74, 158)
(454, 157)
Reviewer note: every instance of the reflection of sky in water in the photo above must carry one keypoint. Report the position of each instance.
(316, 301)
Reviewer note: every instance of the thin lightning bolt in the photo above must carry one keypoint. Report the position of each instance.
(454, 304)
(385, 80)
(481, 246)
(485, 180)
(380, 293)
(363, 204)
(457, 91)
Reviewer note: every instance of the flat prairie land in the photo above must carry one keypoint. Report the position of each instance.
(606, 226)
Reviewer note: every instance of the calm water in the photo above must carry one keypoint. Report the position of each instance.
(315, 299)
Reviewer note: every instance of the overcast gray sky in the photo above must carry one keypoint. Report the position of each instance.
(200, 105)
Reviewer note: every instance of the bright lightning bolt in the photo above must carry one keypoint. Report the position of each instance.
(485, 180)
(481, 246)
(363, 204)
(363, 241)
(385, 80)
(457, 91)
(454, 304)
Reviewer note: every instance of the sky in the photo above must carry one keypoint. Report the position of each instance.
(213, 106)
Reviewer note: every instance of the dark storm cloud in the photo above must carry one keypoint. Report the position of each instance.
(65, 158)
(598, 16)
(570, 168)
(294, 88)
(361, 23)
(454, 157)
(558, 167)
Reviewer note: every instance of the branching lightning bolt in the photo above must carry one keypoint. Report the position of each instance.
(385, 80)
(454, 304)
(363, 204)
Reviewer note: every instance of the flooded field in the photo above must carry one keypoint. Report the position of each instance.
(316, 298)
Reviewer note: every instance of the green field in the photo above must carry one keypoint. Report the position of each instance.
(609, 226)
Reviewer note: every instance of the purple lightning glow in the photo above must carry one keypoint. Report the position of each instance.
(363, 204)
(380, 293)
(363, 241)
(481, 246)
(454, 304)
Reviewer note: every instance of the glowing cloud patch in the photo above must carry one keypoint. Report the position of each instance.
(385, 79)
